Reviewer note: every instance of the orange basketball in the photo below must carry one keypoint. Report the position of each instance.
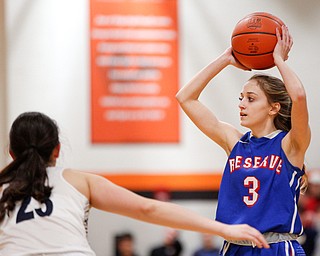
(254, 38)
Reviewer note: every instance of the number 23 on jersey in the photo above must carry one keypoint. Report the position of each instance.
(27, 214)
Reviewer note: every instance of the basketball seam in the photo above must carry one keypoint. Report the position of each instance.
(255, 54)
(246, 33)
(261, 15)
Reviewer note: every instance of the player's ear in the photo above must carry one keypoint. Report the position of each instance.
(11, 154)
(56, 151)
(275, 108)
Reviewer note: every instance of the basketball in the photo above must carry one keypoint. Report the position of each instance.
(254, 38)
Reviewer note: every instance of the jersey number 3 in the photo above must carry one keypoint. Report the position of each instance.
(253, 185)
(23, 214)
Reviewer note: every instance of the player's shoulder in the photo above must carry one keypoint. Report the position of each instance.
(78, 179)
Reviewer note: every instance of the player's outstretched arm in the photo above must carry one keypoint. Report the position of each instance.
(105, 195)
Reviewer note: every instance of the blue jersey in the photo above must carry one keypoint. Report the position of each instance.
(260, 187)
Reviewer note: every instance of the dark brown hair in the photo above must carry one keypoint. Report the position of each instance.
(33, 137)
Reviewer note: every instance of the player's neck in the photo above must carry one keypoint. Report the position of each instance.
(263, 131)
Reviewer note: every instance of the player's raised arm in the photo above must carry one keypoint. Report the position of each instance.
(222, 133)
(298, 138)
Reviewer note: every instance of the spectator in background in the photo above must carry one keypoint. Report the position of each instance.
(171, 246)
(208, 247)
(309, 209)
(124, 245)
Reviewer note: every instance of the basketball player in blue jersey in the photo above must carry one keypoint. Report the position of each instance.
(44, 208)
(264, 172)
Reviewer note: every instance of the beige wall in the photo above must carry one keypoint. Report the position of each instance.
(3, 86)
(48, 70)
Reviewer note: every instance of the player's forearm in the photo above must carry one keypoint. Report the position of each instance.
(292, 82)
(181, 218)
(175, 216)
(299, 112)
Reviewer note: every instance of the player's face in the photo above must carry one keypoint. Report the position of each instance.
(254, 106)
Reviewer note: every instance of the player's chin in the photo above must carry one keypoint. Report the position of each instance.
(244, 123)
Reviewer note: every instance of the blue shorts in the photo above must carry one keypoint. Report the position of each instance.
(285, 248)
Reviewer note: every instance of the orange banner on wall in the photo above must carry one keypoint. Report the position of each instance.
(134, 71)
(170, 182)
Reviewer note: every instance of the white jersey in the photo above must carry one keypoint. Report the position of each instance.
(57, 227)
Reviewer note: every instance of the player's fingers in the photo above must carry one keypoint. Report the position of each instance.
(290, 41)
(286, 42)
(285, 34)
(261, 242)
(258, 239)
(278, 34)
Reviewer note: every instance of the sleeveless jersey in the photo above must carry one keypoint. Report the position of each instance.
(260, 187)
(57, 227)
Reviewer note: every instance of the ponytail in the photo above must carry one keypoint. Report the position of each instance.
(33, 137)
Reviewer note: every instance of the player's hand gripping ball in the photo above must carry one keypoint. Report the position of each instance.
(254, 38)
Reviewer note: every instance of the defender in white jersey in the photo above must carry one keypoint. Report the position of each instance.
(44, 209)
(41, 229)
(265, 169)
